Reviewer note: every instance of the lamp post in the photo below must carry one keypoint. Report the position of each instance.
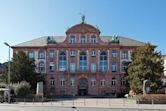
(8, 71)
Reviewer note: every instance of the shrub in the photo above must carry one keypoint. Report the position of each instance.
(152, 97)
(23, 89)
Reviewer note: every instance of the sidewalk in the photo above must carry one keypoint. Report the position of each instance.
(97, 103)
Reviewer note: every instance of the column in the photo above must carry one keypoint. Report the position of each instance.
(67, 60)
(98, 60)
(129, 55)
(78, 56)
(57, 60)
(108, 64)
(87, 55)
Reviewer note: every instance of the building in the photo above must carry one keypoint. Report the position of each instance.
(83, 62)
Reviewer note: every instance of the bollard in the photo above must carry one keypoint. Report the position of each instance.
(84, 102)
(109, 102)
(62, 102)
(33, 100)
(152, 102)
(138, 102)
(123, 102)
(97, 102)
(51, 101)
(24, 101)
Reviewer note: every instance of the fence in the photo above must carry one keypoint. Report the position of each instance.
(87, 102)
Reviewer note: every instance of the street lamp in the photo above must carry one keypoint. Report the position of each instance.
(8, 71)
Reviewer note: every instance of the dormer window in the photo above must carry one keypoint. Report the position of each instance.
(82, 40)
(93, 39)
(72, 40)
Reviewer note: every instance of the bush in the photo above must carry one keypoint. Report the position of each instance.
(23, 89)
(151, 97)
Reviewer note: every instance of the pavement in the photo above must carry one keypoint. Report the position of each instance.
(89, 103)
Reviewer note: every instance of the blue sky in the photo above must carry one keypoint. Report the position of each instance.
(23, 20)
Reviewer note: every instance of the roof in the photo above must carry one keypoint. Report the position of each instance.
(42, 41)
(124, 41)
(83, 28)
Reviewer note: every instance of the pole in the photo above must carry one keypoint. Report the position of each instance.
(8, 72)
(9, 76)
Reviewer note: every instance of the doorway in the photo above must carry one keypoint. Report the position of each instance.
(82, 87)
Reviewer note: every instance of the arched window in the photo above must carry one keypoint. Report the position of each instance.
(123, 67)
(71, 82)
(93, 82)
(52, 82)
(41, 55)
(113, 81)
(103, 61)
(82, 39)
(72, 39)
(93, 67)
(83, 62)
(93, 39)
(103, 82)
(62, 61)
(41, 66)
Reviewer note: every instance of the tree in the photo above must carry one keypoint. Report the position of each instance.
(146, 64)
(23, 69)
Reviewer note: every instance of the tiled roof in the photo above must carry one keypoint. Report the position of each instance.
(42, 41)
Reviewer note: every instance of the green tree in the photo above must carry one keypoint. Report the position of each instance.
(23, 69)
(146, 64)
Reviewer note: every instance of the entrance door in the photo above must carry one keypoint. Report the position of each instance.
(82, 87)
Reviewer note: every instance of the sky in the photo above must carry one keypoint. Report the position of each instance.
(24, 20)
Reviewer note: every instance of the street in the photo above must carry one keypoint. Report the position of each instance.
(54, 108)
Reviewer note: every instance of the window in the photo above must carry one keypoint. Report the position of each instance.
(72, 53)
(72, 67)
(93, 67)
(52, 81)
(93, 39)
(41, 55)
(103, 61)
(52, 67)
(93, 82)
(31, 55)
(72, 40)
(103, 82)
(72, 82)
(114, 66)
(124, 55)
(51, 53)
(114, 53)
(123, 82)
(113, 81)
(93, 53)
(62, 62)
(62, 82)
(82, 40)
(83, 62)
(41, 66)
(123, 67)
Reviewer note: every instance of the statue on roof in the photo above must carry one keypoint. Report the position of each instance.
(50, 40)
(83, 18)
(114, 39)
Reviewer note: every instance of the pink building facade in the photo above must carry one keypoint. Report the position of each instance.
(81, 63)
